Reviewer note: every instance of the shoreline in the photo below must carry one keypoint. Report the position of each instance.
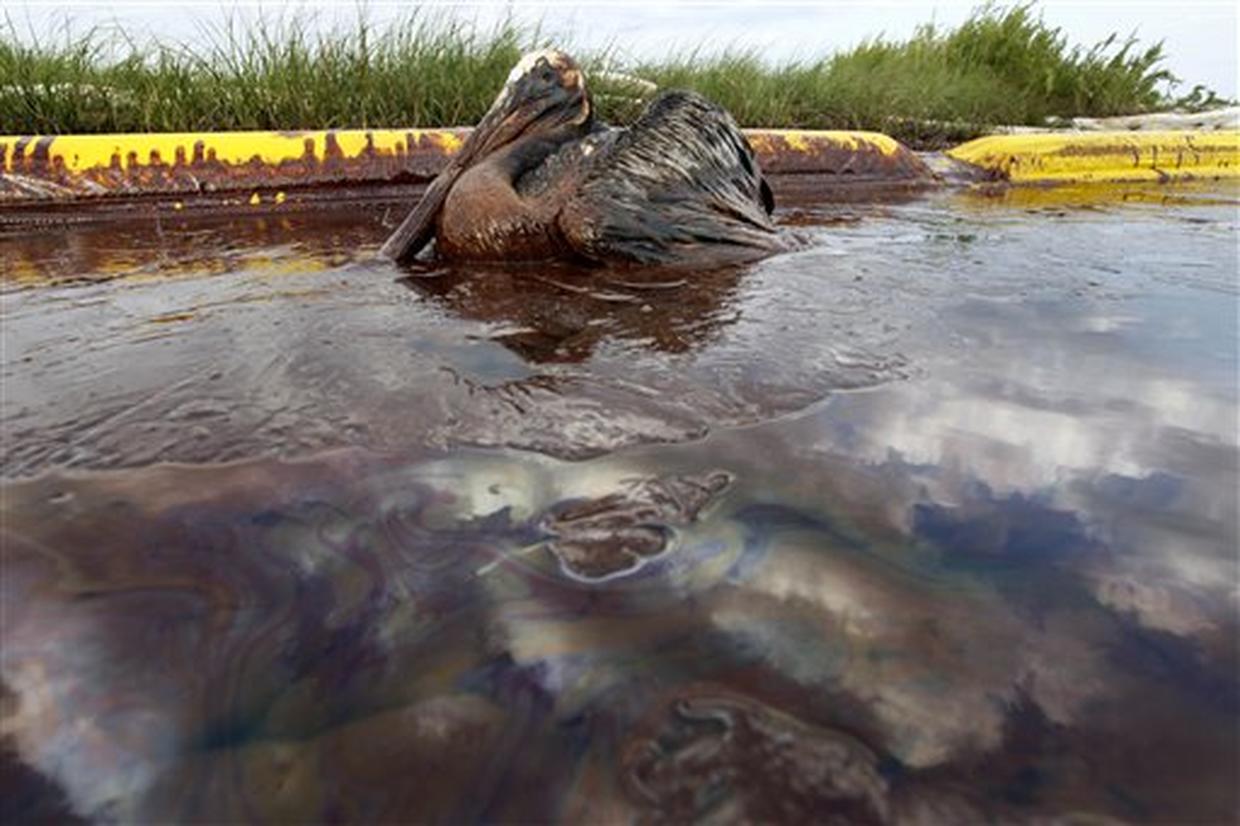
(248, 170)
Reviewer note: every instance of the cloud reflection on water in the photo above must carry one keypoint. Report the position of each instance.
(1004, 588)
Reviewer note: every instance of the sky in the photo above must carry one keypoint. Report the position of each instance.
(1200, 36)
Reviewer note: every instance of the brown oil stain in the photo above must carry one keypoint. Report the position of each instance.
(173, 318)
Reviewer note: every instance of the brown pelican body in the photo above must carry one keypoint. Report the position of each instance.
(539, 178)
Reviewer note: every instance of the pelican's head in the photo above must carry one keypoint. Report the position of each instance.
(544, 97)
(544, 93)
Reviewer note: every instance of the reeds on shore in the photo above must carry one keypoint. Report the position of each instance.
(1004, 65)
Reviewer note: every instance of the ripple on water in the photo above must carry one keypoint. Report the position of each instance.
(945, 599)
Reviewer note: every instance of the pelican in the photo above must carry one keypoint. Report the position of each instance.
(540, 179)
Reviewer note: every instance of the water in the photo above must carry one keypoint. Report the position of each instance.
(932, 521)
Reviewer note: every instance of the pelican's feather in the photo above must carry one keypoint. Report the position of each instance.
(680, 185)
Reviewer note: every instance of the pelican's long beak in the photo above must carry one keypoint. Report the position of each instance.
(545, 88)
(418, 228)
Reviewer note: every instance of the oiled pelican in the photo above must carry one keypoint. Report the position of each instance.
(539, 178)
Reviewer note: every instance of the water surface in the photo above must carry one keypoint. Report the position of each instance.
(933, 521)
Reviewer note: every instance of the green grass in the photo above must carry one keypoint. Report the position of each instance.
(1004, 65)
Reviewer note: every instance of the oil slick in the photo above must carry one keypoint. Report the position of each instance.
(616, 534)
(380, 553)
(301, 640)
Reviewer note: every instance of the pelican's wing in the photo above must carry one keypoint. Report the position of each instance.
(682, 185)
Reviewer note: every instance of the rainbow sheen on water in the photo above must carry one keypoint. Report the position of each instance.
(933, 521)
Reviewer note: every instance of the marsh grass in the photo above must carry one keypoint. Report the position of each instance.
(1004, 65)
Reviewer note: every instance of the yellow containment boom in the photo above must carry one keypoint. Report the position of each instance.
(76, 166)
(1084, 157)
